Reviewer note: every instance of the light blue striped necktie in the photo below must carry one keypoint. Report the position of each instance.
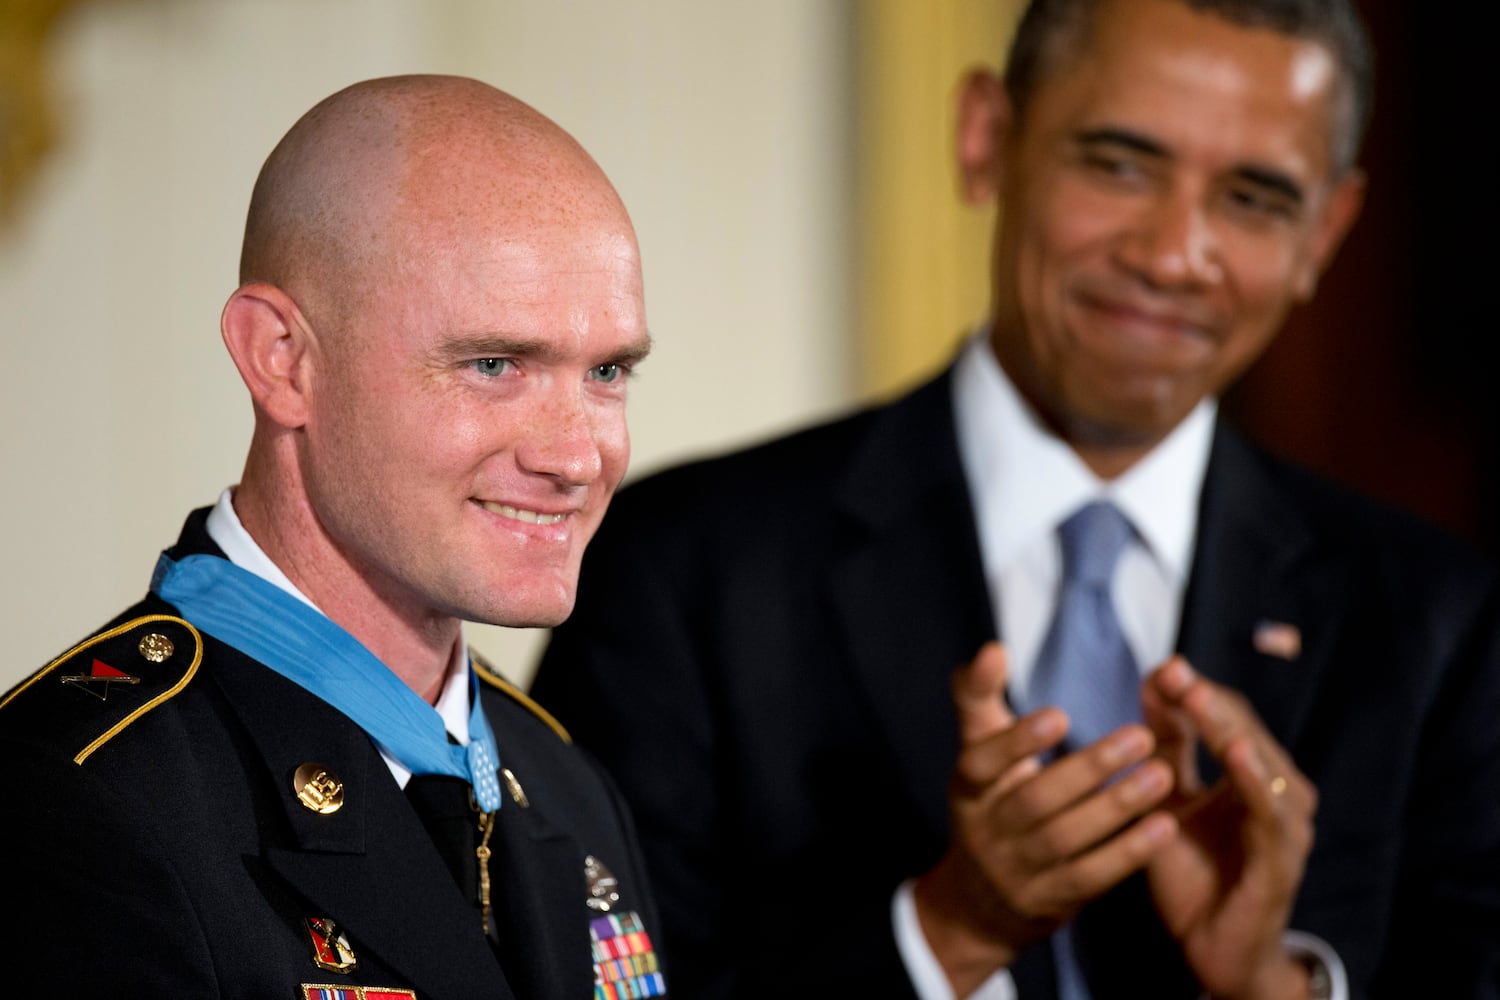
(1085, 666)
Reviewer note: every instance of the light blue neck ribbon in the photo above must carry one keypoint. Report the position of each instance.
(305, 646)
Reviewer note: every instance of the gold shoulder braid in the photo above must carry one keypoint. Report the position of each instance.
(101, 686)
(492, 677)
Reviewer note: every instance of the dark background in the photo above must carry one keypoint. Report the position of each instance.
(1384, 381)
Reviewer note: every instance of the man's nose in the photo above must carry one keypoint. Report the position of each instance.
(1172, 243)
(562, 441)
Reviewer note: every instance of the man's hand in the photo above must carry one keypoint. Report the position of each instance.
(1224, 887)
(1032, 843)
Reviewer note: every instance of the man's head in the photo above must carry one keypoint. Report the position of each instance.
(440, 304)
(1175, 176)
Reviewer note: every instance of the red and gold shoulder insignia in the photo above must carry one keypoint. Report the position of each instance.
(97, 689)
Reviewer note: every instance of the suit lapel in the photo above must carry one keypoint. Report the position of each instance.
(907, 589)
(1255, 564)
(1262, 606)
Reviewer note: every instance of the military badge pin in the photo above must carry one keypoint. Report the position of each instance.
(331, 948)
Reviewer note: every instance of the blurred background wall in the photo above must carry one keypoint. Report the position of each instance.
(787, 164)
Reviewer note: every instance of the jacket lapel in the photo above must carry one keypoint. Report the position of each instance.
(539, 893)
(370, 866)
(1262, 606)
(907, 588)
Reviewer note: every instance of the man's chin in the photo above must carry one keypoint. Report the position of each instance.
(540, 611)
(1126, 415)
(532, 621)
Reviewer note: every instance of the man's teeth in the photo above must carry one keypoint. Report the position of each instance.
(517, 514)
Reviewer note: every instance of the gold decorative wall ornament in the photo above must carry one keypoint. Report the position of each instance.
(27, 128)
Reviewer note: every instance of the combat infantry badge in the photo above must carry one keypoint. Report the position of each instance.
(603, 886)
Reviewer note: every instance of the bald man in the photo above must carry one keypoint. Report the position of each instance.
(282, 773)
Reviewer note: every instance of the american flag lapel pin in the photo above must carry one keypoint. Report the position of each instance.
(1282, 640)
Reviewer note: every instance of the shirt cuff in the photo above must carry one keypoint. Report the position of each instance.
(1321, 960)
(927, 977)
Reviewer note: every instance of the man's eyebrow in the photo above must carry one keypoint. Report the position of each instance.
(1110, 135)
(633, 353)
(466, 347)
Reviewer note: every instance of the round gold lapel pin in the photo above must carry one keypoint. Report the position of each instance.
(318, 789)
(156, 647)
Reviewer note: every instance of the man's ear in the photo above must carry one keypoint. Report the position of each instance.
(1333, 223)
(269, 340)
(984, 115)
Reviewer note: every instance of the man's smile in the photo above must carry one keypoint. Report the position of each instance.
(521, 514)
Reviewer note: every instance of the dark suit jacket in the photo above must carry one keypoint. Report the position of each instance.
(175, 860)
(761, 653)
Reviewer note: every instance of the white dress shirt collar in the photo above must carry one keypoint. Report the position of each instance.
(1025, 481)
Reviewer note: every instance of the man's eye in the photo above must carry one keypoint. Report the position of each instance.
(490, 366)
(1266, 204)
(1112, 166)
(607, 373)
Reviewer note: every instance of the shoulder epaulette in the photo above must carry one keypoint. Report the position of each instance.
(97, 689)
(492, 677)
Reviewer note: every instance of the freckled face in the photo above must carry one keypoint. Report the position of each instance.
(469, 423)
(1168, 195)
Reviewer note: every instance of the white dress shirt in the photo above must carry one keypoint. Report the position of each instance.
(229, 534)
(1024, 483)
